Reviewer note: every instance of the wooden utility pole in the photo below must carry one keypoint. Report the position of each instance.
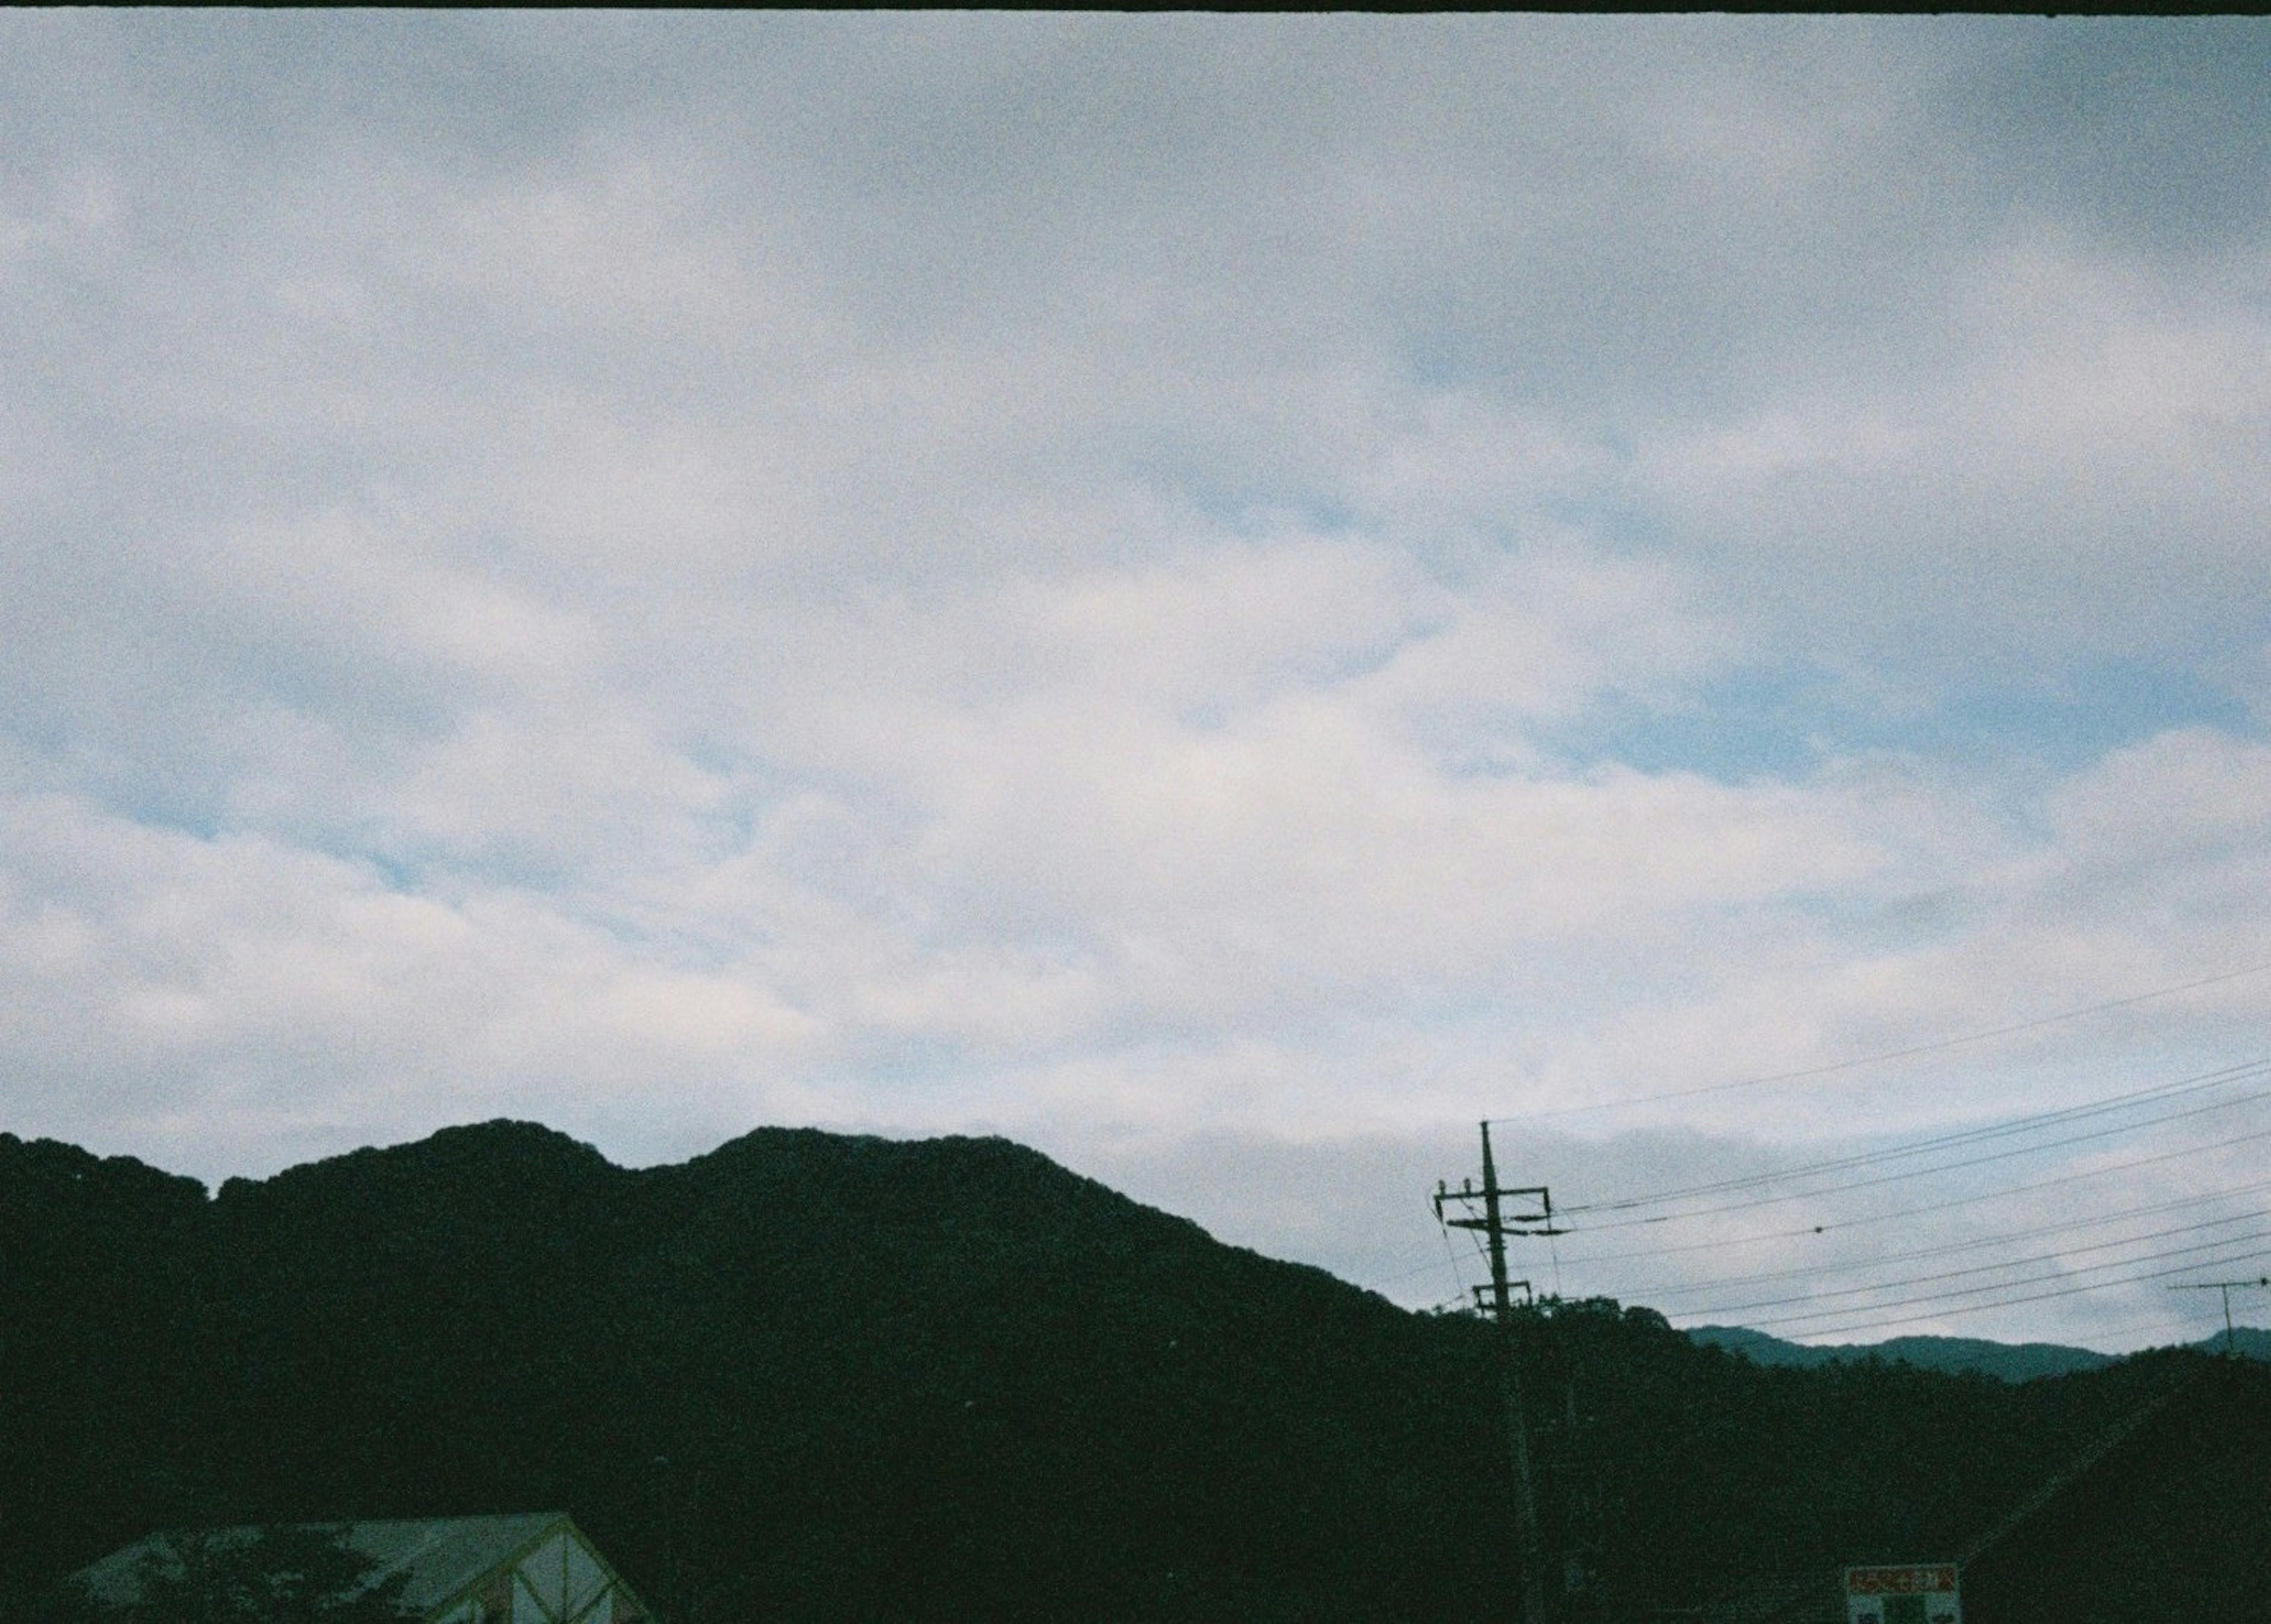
(2231, 1347)
(1495, 1225)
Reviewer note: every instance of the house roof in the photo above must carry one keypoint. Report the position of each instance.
(440, 1556)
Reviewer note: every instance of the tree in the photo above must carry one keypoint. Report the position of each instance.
(276, 1575)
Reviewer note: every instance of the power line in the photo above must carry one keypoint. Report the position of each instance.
(2115, 1103)
(2227, 1287)
(1996, 1268)
(1942, 1297)
(1451, 1255)
(1655, 1293)
(1891, 1178)
(2002, 1285)
(2004, 1129)
(1940, 1046)
(2003, 1238)
(1936, 1206)
(2167, 1320)
(2222, 1077)
(2014, 1302)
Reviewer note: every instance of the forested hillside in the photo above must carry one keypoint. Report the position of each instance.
(2007, 1362)
(816, 1377)
(2021, 1361)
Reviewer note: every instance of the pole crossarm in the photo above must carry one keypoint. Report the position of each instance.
(1537, 1223)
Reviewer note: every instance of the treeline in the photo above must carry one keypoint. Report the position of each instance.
(816, 1377)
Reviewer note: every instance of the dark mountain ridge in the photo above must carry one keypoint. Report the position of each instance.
(2005, 1362)
(942, 1379)
(822, 1377)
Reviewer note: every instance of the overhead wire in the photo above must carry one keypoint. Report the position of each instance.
(1893, 1178)
(2003, 1285)
(2224, 1076)
(2107, 1170)
(1909, 1253)
(1866, 1221)
(2009, 1302)
(1433, 1263)
(1451, 1252)
(2135, 1099)
(1824, 1303)
(1939, 1047)
(1995, 1268)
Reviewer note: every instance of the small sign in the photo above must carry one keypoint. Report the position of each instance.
(1917, 1593)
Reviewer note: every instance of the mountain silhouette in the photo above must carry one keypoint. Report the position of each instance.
(831, 1377)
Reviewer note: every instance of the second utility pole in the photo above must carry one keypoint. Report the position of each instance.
(2230, 1350)
(1493, 1224)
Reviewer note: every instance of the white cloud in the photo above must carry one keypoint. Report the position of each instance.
(1289, 581)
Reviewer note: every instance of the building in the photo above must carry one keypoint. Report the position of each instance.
(536, 1569)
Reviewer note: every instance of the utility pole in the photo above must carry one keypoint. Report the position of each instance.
(1582, 1496)
(671, 1486)
(2230, 1349)
(1496, 1225)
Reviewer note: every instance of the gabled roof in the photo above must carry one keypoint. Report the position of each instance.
(440, 1556)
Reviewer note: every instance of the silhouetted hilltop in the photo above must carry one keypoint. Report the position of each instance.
(827, 1377)
(2005, 1362)
(888, 1379)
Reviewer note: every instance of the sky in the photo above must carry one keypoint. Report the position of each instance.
(1224, 597)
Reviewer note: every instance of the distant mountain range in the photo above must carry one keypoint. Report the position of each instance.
(2006, 1361)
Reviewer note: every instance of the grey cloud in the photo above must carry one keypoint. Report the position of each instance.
(2153, 135)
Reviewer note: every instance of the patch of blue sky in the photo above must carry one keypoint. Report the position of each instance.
(1482, 753)
(1751, 724)
(1256, 512)
(2100, 707)
(750, 786)
(166, 789)
(1618, 525)
(440, 868)
(1783, 722)
(394, 872)
(1444, 362)
(158, 809)
(720, 756)
(1875, 924)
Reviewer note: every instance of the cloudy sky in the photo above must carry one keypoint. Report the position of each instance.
(1223, 597)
